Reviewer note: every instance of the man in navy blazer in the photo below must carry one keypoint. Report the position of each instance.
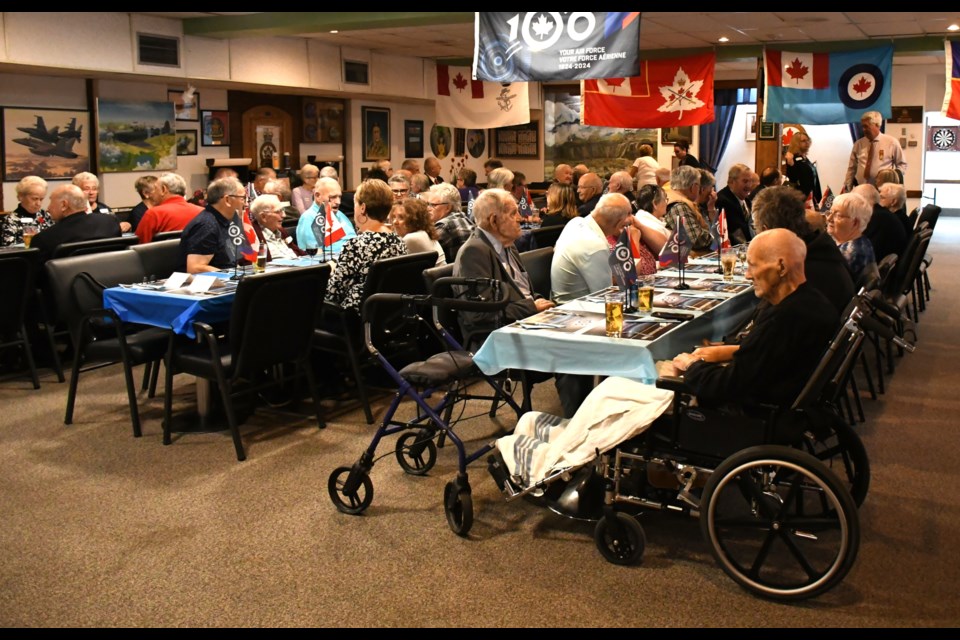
(68, 207)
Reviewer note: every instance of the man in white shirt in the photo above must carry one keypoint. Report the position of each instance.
(873, 152)
(581, 256)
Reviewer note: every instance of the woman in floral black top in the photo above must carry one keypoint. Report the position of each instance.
(30, 192)
(375, 240)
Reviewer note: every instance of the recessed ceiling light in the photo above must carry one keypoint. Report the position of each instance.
(723, 39)
(953, 27)
(334, 31)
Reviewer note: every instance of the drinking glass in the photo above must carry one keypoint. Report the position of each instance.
(728, 260)
(29, 230)
(613, 303)
(645, 294)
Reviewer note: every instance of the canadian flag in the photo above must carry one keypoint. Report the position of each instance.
(334, 230)
(797, 70)
(475, 104)
(723, 235)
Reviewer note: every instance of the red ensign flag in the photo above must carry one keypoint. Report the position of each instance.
(668, 93)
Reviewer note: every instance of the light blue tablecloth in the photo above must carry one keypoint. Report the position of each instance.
(512, 347)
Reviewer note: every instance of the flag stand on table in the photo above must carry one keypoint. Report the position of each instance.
(677, 247)
(722, 239)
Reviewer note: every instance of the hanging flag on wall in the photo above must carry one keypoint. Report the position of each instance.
(512, 46)
(474, 104)
(826, 88)
(951, 99)
(677, 92)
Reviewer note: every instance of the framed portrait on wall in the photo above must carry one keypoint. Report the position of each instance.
(49, 143)
(413, 138)
(215, 128)
(376, 133)
(751, 133)
(183, 111)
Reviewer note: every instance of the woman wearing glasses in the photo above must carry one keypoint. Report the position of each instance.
(847, 219)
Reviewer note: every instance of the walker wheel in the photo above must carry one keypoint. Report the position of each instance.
(355, 501)
(416, 452)
(458, 506)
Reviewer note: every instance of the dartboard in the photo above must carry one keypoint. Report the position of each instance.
(944, 139)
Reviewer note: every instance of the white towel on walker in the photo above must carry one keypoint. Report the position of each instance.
(615, 411)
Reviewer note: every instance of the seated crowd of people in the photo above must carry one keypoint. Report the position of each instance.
(805, 265)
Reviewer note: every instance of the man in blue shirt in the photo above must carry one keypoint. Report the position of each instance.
(203, 245)
(339, 229)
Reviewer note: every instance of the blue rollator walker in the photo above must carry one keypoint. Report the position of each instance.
(449, 371)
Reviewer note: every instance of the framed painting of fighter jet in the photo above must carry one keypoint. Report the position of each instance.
(49, 143)
(136, 136)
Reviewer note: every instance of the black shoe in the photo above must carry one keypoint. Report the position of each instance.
(276, 398)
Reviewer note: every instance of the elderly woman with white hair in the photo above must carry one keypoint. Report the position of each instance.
(893, 197)
(267, 214)
(848, 217)
(31, 191)
(302, 196)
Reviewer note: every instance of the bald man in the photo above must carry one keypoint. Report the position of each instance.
(68, 207)
(622, 182)
(781, 350)
(589, 190)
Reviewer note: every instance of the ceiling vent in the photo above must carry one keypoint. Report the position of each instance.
(355, 72)
(162, 50)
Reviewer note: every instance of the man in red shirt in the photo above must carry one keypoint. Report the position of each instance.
(171, 211)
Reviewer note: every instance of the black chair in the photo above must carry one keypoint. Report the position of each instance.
(17, 273)
(76, 286)
(167, 235)
(537, 263)
(159, 259)
(544, 237)
(342, 330)
(290, 223)
(929, 216)
(100, 245)
(253, 345)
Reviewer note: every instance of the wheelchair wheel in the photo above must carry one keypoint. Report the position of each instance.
(840, 449)
(416, 452)
(458, 507)
(780, 523)
(355, 501)
(622, 541)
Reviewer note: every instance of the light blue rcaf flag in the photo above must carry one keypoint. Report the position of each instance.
(621, 261)
(511, 46)
(319, 227)
(826, 88)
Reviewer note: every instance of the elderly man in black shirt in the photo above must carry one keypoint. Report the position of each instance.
(203, 244)
(68, 206)
(777, 356)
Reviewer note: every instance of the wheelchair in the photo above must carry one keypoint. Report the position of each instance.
(447, 373)
(776, 490)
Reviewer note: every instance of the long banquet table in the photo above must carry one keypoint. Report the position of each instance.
(571, 337)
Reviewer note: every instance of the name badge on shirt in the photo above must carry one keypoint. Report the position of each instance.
(881, 154)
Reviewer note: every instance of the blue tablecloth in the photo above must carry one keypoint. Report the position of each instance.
(513, 347)
(168, 310)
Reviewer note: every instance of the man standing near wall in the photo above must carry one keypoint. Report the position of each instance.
(873, 152)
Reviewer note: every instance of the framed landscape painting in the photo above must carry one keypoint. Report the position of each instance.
(136, 136)
(49, 143)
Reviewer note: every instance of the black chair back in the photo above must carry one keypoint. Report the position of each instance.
(537, 263)
(293, 295)
(446, 317)
(100, 245)
(159, 259)
(167, 235)
(930, 214)
(399, 274)
(885, 270)
(905, 272)
(545, 236)
(290, 223)
(69, 300)
(17, 274)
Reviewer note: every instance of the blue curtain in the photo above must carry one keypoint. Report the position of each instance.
(715, 136)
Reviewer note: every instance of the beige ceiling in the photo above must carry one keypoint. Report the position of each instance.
(450, 35)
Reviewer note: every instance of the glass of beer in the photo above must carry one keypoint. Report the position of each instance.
(613, 302)
(645, 296)
(29, 230)
(728, 260)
